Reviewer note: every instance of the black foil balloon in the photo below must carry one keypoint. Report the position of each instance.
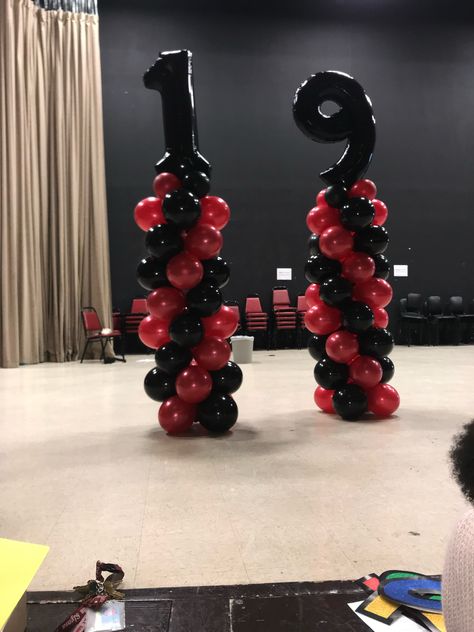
(151, 273)
(335, 291)
(197, 182)
(216, 271)
(357, 317)
(373, 240)
(376, 342)
(317, 346)
(228, 379)
(319, 267)
(172, 358)
(330, 374)
(313, 245)
(388, 369)
(181, 208)
(350, 402)
(382, 266)
(164, 241)
(357, 213)
(159, 385)
(336, 195)
(218, 413)
(205, 299)
(187, 329)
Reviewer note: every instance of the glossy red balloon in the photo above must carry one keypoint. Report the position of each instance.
(166, 302)
(148, 213)
(375, 292)
(312, 295)
(176, 416)
(383, 400)
(322, 217)
(322, 319)
(380, 317)
(320, 199)
(342, 346)
(323, 399)
(365, 371)
(336, 242)
(193, 384)
(153, 332)
(381, 212)
(222, 324)
(212, 353)
(214, 211)
(358, 267)
(165, 183)
(184, 271)
(203, 241)
(363, 188)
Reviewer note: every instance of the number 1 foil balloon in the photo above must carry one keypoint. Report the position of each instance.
(347, 268)
(188, 325)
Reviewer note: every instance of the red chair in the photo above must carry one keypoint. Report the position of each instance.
(284, 315)
(301, 309)
(138, 311)
(256, 320)
(93, 332)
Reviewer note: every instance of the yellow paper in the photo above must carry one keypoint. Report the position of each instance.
(437, 620)
(381, 607)
(19, 563)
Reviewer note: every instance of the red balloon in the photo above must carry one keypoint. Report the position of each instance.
(342, 346)
(222, 324)
(336, 242)
(322, 319)
(383, 400)
(214, 211)
(184, 271)
(148, 213)
(381, 212)
(365, 371)
(322, 217)
(363, 188)
(176, 416)
(153, 332)
(193, 385)
(358, 267)
(312, 295)
(203, 241)
(323, 399)
(165, 303)
(380, 317)
(375, 292)
(320, 199)
(212, 353)
(165, 183)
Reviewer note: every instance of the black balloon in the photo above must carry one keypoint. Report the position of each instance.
(350, 402)
(205, 299)
(159, 385)
(330, 374)
(373, 240)
(163, 241)
(218, 413)
(376, 342)
(216, 271)
(388, 369)
(172, 358)
(182, 208)
(228, 379)
(187, 330)
(357, 213)
(382, 266)
(317, 346)
(319, 267)
(335, 291)
(151, 273)
(313, 245)
(336, 195)
(357, 317)
(197, 182)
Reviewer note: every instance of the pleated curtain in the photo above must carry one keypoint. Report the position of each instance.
(54, 251)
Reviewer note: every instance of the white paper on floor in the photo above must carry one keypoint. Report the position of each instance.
(402, 624)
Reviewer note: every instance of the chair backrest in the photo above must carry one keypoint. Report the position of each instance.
(252, 304)
(456, 305)
(433, 306)
(280, 296)
(139, 306)
(403, 305)
(117, 320)
(302, 305)
(414, 303)
(90, 320)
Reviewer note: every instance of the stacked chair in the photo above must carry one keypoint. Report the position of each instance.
(284, 315)
(256, 320)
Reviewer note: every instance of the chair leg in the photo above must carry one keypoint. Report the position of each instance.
(102, 355)
(84, 350)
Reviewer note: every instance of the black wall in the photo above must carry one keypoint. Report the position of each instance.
(417, 65)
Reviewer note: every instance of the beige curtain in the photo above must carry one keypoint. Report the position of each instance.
(54, 251)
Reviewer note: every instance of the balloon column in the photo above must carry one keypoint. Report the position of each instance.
(347, 268)
(188, 324)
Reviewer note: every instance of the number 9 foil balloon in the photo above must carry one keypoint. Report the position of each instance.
(347, 267)
(187, 325)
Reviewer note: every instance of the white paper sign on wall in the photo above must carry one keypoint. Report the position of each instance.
(283, 274)
(400, 270)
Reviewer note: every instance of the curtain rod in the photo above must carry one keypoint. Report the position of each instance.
(76, 6)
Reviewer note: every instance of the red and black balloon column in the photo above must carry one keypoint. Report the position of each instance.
(188, 324)
(347, 268)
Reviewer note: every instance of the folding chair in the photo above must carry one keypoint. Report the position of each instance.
(93, 332)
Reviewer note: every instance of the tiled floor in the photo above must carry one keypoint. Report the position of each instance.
(290, 495)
